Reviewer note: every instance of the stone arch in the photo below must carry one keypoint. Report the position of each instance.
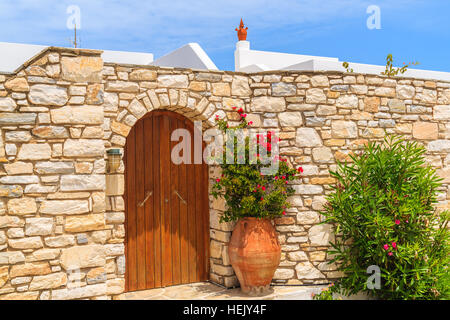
(194, 108)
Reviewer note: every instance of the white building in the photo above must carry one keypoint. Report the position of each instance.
(191, 55)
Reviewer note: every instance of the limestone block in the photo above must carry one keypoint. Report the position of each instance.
(83, 257)
(268, 104)
(84, 148)
(85, 223)
(343, 129)
(173, 81)
(320, 235)
(441, 112)
(82, 69)
(29, 269)
(48, 95)
(305, 270)
(17, 84)
(51, 281)
(35, 151)
(66, 207)
(240, 87)
(315, 95)
(77, 115)
(22, 206)
(425, 130)
(39, 226)
(308, 137)
(7, 104)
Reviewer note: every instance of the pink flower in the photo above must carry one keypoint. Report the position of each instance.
(243, 115)
(276, 177)
(264, 188)
(406, 221)
(397, 222)
(386, 246)
(390, 254)
(250, 123)
(217, 180)
(233, 108)
(284, 213)
(394, 245)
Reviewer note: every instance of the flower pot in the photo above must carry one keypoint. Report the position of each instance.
(255, 254)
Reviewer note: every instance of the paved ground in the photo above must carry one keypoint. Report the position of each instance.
(210, 291)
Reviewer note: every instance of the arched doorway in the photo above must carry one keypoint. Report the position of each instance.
(167, 207)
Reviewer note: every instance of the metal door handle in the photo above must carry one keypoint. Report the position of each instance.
(145, 199)
(182, 200)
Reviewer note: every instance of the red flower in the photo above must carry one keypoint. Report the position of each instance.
(250, 123)
(217, 180)
(284, 177)
(243, 115)
(263, 188)
(394, 245)
(284, 213)
(390, 254)
(300, 169)
(397, 222)
(240, 110)
(386, 246)
(262, 198)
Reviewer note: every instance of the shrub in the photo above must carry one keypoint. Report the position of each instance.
(383, 211)
(247, 192)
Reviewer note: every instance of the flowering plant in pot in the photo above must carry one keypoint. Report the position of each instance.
(253, 199)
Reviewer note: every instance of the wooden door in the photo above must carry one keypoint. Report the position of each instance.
(167, 207)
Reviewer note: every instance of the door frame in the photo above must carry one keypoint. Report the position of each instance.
(206, 236)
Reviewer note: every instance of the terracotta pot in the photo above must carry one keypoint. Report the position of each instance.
(255, 254)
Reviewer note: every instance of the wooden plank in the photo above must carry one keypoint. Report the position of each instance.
(149, 211)
(175, 209)
(184, 230)
(192, 223)
(127, 277)
(140, 211)
(199, 221)
(205, 218)
(157, 202)
(166, 245)
(131, 211)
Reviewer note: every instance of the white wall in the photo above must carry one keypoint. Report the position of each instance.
(13, 55)
(190, 56)
(247, 60)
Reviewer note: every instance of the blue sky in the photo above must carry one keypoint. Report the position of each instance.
(416, 30)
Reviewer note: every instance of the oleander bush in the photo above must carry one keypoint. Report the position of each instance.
(383, 211)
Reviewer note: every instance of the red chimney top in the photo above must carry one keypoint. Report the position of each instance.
(242, 32)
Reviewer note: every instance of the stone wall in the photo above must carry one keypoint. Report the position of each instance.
(62, 216)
